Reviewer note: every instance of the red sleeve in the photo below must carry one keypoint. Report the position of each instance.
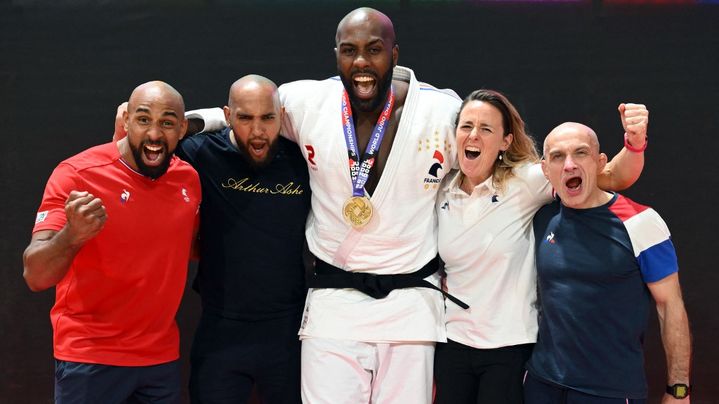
(51, 214)
(195, 250)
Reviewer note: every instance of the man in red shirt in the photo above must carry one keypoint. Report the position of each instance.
(113, 234)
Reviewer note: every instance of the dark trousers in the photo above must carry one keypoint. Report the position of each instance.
(229, 357)
(538, 392)
(89, 383)
(466, 375)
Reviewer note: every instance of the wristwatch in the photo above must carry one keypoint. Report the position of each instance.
(679, 390)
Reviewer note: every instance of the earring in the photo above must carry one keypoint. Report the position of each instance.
(499, 157)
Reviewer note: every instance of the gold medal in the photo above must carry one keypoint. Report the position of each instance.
(357, 211)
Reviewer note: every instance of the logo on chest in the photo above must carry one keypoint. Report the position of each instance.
(550, 238)
(435, 169)
(124, 196)
(253, 186)
(432, 179)
(311, 156)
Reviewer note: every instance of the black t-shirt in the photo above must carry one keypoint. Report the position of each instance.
(252, 224)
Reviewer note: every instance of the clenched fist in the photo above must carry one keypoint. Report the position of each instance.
(86, 216)
(635, 119)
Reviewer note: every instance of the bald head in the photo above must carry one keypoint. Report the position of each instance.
(368, 19)
(572, 164)
(256, 85)
(155, 122)
(254, 113)
(366, 52)
(580, 131)
(160, 92)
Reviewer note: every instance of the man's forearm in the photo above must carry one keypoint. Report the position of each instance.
(623, 171)
(626, 167)
(676, 338)
(47, 260)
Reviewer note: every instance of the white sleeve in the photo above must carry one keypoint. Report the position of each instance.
(538, 184)
(214, 118)
(288, 128)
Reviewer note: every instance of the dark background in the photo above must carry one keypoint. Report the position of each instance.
(65, 67)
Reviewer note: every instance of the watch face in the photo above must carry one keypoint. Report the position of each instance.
(679, 390)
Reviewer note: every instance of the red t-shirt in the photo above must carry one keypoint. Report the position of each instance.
(117, 303)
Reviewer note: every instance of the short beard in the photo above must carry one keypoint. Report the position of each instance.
(245, 153)
(374, 103)
(153, 172)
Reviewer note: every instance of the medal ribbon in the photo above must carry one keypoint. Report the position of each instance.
(360, 169)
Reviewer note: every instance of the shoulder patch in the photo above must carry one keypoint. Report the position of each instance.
(41, 216)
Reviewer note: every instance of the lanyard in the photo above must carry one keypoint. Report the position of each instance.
(360, 169)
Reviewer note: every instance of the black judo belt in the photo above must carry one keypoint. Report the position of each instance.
(327, 276)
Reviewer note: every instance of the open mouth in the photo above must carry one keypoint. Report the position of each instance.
(574, 184)
(365, 85)
(471, 152)
(258, 148)
(153, 154)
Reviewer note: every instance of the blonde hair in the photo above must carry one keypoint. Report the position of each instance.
(521, 151)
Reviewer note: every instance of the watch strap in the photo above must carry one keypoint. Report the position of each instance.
(679, 390)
